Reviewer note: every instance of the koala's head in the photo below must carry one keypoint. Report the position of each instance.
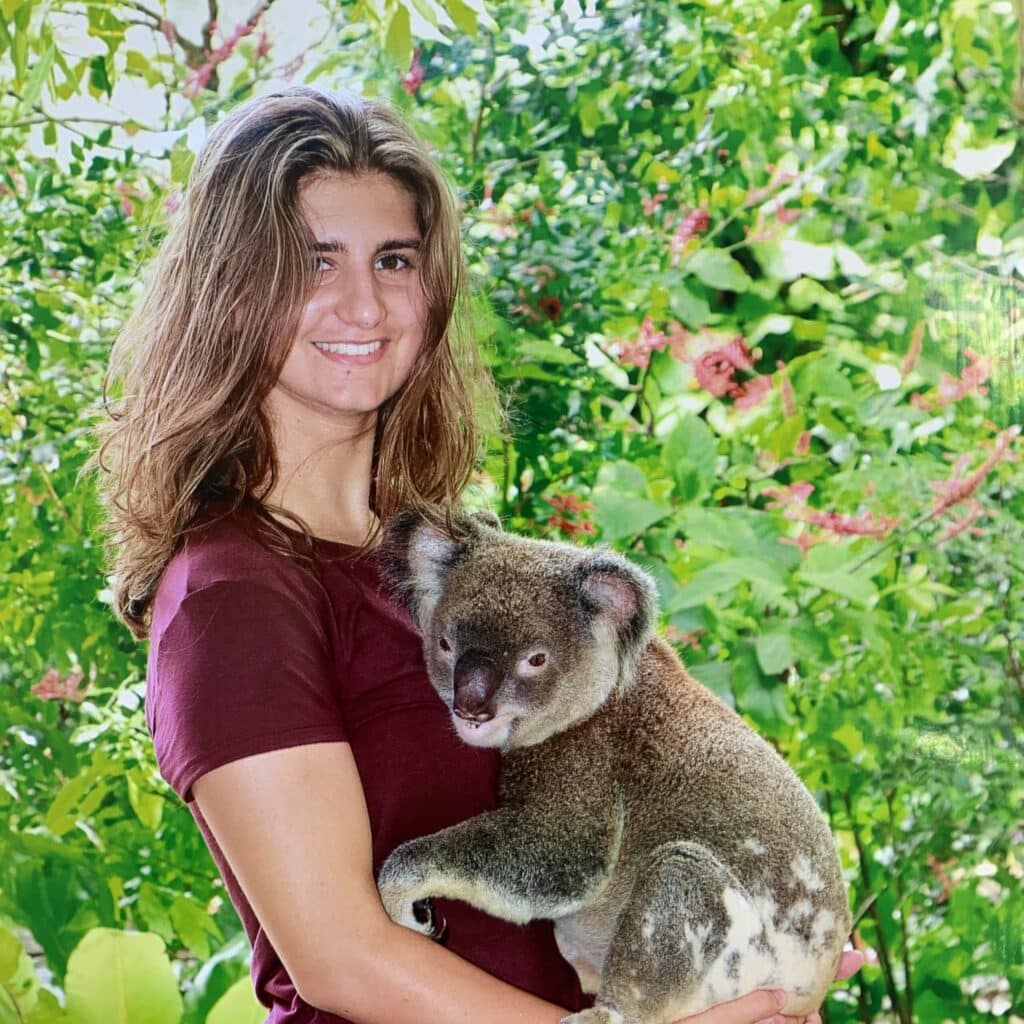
(521, 637)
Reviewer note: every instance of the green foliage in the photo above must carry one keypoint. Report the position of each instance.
(750, 275)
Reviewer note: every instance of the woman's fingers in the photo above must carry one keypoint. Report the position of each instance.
(752, 1009)
(852, 961)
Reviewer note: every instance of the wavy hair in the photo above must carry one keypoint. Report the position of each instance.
(192, 368)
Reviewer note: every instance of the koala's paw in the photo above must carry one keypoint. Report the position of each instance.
(401, 893)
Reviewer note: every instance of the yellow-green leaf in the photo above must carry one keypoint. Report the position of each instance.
(118, 977)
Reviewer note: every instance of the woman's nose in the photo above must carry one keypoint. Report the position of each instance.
(358, 300)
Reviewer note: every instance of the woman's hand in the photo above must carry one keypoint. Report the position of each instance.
(762, 1007)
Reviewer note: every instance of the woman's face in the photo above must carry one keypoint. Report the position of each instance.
(362, 326)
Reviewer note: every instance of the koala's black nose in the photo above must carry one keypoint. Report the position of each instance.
(476, 682)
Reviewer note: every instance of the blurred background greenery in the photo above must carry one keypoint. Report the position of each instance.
(750, 275)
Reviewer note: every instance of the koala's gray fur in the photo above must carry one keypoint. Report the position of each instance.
(683, 862)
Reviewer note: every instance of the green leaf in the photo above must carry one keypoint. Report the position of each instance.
(11, 7)
(790, 259)
(725, 577)
(850, 737)
(238, 1005)
(116, 977)
(464, 16)
(194, 925)
(37, 77)
(148, 806)
(47, 1010)
(774, 652)
(692, 310)
(623, 515)
(690, 452)
(547, 352)
(718, 269)
(858, 589)
(98, 78)
(399, 37)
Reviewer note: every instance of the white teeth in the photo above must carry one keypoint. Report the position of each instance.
(343, 348)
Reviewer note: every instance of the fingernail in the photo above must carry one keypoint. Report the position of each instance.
(780, 998)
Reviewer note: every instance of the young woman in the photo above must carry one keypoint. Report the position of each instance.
(292, 378)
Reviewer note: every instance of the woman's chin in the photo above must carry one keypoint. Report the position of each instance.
(485, 734)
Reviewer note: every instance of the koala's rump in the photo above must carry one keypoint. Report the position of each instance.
(675, 764)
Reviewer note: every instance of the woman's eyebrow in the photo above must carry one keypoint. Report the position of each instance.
(392, 243)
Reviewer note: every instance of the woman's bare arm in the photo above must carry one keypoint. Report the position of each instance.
(294, 828)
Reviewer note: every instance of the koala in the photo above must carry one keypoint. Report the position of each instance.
(681, 859)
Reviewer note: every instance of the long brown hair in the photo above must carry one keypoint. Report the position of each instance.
(202, 351)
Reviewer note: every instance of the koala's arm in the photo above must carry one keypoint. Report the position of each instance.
(305, 864)
(517, 863)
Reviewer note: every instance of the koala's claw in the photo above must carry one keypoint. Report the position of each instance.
(423, 913)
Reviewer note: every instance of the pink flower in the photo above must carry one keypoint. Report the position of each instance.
(965, 522)
(959, 488)
(803, 443)
(751, 393)
(793, 500)
(569, 505)
(52, 687)
(714, 370)
(784, 215)
(413, 78)
(788, 399)
(677, 636)
(977, 371)
(914, 352)
(694, 223)
(651, 203)
(791, 494)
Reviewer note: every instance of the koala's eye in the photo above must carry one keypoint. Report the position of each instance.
(444, 645)
(538, 659)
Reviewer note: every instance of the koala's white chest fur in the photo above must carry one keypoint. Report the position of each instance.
(682, 861)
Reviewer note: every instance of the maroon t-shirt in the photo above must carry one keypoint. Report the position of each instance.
(251, 651)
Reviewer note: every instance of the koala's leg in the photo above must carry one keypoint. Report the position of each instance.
(515, 863)
(689, 938)
(595, 1015)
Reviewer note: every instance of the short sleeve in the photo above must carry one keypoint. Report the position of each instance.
(239, 668)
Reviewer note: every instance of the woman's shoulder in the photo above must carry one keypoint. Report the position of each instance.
(233, 551)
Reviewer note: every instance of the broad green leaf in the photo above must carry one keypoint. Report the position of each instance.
(194, 925)
(858, 589)
(149, 806)
(116, 977)
(774, 652)
(718, 269)
(464, 16)
(850, 737)
(399, 36)
(790, 259)
(690, 452)
(238, 1005)
(623, 515)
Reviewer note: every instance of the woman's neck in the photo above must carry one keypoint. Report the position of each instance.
(324, 478)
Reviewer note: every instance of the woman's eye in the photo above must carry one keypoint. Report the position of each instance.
(321, 264)
(538, 659)
(444, 645)
(392, 261)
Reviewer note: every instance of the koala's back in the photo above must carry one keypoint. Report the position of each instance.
(672, 763)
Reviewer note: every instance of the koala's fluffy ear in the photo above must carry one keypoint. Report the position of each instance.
(623, 594)
(418, 549)
(487, 518)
